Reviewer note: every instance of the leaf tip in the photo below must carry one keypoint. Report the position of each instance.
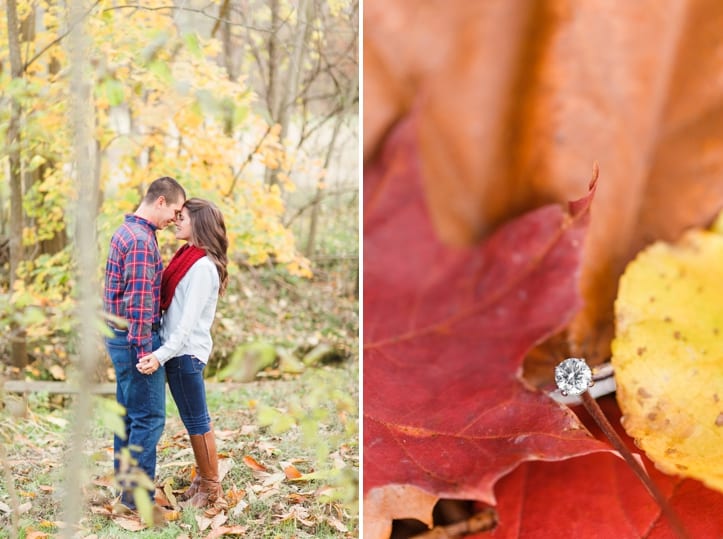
(595, 175)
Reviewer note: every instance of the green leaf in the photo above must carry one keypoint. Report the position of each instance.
(114, 91)
(240, 113)
(193, 44)
(275, 420)
(247, 360)
(288, 362)
(161, 70)
(111, 415)
(144, 505)
(32, 316)
(35, 162)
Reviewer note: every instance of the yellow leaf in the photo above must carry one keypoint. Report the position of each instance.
(667, 355)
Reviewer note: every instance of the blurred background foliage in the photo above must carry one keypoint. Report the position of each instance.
(252, 104)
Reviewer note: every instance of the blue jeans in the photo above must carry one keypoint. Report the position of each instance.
(185, 379)
(144, 398)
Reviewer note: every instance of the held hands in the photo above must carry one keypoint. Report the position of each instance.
(148, 364)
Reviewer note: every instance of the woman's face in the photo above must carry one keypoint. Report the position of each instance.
(183, 225)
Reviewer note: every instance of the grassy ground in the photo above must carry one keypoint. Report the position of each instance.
(266, 430)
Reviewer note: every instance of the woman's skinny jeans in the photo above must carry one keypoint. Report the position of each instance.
(185, 379)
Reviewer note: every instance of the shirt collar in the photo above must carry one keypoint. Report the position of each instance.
(135, 219)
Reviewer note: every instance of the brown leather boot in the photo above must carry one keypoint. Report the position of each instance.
(190, 492)
(209, 490)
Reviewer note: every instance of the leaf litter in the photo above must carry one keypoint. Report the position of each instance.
(259, 497)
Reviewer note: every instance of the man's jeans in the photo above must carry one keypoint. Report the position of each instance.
(185, 380)
(144, 398)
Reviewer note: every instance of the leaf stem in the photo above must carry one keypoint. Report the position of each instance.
(597, 414)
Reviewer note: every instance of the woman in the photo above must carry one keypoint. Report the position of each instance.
(191, 284)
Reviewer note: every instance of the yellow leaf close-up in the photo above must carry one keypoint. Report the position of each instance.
(668, 355)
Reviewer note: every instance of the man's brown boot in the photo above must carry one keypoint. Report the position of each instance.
(209, 490)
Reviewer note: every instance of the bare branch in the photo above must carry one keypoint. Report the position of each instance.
(248, 159)
(62, 36)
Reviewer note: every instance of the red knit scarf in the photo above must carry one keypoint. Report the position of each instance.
(181, 262)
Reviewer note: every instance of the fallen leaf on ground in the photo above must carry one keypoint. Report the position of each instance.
(130, 523)
(24, 507)
(291, 472)
(164, 496)
(295, 497)
(254, 464)
(101, 509)
(227, 530)
(225, 465)
(214, 522)
(234, 495)
(226, 434)
(667, 355)
(171, 515)
(337, 524)
(446, 413)
(298, 513)
(249, 429)
(271, 479)
(238, 509)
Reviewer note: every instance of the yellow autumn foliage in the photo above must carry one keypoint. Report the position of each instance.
(668, 355)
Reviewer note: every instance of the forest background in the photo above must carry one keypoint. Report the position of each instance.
(251, 104)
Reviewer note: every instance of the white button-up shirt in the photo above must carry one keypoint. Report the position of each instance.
(186, 325)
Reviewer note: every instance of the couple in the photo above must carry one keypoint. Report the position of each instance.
(147, 350)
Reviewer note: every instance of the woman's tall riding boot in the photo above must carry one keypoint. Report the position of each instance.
(209, 490)
(195, 483)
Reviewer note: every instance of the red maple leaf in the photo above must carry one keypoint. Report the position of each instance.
(598, 495)
(445, 333)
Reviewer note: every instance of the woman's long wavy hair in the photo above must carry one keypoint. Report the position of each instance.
(208, 231)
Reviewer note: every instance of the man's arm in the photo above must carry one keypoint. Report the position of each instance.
(140, 272)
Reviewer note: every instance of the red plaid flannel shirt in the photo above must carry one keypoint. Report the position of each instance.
(133, 280)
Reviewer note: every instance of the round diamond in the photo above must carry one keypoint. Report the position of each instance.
(573, 376)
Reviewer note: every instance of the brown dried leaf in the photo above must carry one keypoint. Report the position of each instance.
(131, 523)
(227, 530)
(517, 100)
(254, 464)
(291, 472)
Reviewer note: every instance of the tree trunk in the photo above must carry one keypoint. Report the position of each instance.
(284, 97)
(86, 171)
(315, 208)
(18, 352)
(272, 92)
(58, 242)
(288, 97)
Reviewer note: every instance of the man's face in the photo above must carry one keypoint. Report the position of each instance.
(168, 212)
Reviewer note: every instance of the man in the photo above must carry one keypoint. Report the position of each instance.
(132, 297)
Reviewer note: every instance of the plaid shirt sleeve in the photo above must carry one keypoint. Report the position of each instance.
(139, 275)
